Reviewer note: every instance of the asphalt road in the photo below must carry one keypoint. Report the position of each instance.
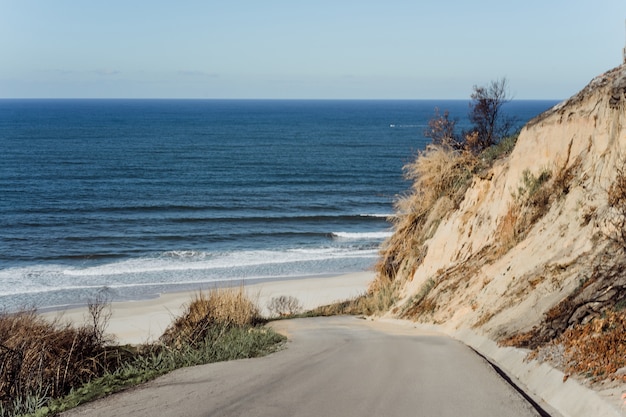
(340, 366)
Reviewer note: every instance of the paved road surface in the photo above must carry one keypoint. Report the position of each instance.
(340, 366)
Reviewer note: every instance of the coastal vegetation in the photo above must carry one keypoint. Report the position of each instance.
(284, 306)
(380, 297)
(521, 240)
(489, 124)
(442, 173)
(48, 367)
(440, 176)
(585, 333)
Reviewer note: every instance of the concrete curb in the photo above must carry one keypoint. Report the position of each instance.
(541, 381)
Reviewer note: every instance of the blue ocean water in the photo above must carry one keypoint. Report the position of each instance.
(146, 196)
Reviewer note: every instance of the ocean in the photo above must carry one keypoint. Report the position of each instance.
(140, 197)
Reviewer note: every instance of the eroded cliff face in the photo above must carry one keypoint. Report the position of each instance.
(487, 269)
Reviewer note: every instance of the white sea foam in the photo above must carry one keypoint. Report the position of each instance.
(212, 261)
(176, 268)
(362, 236)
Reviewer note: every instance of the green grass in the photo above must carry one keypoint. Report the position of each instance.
(499, 150)
(221, 344)
(531, 184)
(47, 368)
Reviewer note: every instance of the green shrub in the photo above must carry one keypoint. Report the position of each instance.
(532, 184)
(499, 150)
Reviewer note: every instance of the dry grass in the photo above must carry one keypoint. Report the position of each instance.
(436, 293)
(224, 307)
(440, 176)
(437, 172)
(45, 359)
(46, 367)
(380, 297)
(524, 339)
(532, 200)
(419, 305)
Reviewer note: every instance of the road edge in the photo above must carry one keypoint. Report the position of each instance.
(544, 384)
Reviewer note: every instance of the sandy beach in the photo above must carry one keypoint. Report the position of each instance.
(138, 322)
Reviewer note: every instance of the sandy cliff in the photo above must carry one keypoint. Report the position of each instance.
(533, 248)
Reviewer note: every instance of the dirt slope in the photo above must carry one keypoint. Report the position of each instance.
(534, 246)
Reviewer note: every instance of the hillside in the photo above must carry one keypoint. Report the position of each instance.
(528, 250)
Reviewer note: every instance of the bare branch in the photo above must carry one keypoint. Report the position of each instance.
(489, 124)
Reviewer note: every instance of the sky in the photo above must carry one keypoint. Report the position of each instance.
(322, 49)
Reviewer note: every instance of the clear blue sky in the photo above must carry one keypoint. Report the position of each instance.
(361, 49)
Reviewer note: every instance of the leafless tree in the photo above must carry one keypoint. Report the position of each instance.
(99, 311)
(489, 123)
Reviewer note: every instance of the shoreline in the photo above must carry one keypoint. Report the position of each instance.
(143, 321)
(190, 288)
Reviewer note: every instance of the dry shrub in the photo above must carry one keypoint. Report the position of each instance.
(599, 296)
(596, 349)
(472, 141)
(440, 176)
(284, 305)
(441, 130)
(42, 358)
(523, 339)
(222, 307)
(561, 316)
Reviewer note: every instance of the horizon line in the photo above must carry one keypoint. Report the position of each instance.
(262, 99)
